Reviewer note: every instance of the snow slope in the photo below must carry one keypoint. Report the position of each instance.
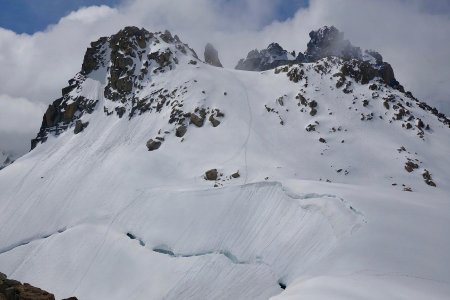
(97, 215)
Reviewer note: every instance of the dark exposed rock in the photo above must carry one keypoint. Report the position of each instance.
(167, 37)
(93, 58)
(153, 145)
(80, 126)
(271, 57)
(322, 140)
(120, 111)
(325, 42)
(310, 127)
(212, 56)
(212, 174)
(214, 121)
(69, 111)
(312, 104)
(198, 119)
(181, 131)
(295, 74)
(361, 71)
(68, 89)
(411, 166)
(14, 290)
(329, 41)
(60, 114)
(236, 175)
(428, 179)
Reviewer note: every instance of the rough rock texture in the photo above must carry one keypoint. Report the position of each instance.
(180, 131)
(198, 118)
(212, 174)
(212, 56)
(14, 290)
(80, 126)
(125, 59)
(94, 57)
(325, 42)
(329, 41)
(271, 57)
(153, 145)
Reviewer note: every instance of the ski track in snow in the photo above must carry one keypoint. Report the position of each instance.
(69, 204)
(377, 273)
(195, 270)
(29, 241)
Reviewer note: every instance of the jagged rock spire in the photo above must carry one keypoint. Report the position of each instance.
(329, 41)
(212, 56)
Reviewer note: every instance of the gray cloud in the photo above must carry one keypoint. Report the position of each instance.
(19, 119)
(413, 35)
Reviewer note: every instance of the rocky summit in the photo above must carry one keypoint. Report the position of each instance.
(301, 175)
(127, 61)
(324, 43)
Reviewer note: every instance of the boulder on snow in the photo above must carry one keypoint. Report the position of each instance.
(153, 145)
(197, 119)
(212, 174)
(80, 126)
(214, 121)
(180, 131)
(212, 56)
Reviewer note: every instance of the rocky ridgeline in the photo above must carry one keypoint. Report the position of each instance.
(378, 102)
(270, 58)
(127, 60)
(14, 290)
(362, 72)
(325, 42)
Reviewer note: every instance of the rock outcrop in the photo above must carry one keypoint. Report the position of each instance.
(271, 57)
(212, 175)
(212, 56)
(329, 41)
(325, 42)
(14, 290)
(153, 145)
(126, 59)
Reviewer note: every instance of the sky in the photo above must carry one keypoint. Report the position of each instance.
(42, 42)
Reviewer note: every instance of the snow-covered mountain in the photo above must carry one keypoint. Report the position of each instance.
(158, 176)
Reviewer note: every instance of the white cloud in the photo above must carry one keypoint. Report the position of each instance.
(19, 121)
(412, 35)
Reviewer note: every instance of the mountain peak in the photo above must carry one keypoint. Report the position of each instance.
(329, 41)
(325, 42)
(124, 62)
